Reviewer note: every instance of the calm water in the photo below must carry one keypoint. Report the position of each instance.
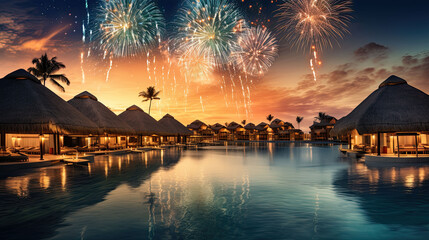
(266, 191)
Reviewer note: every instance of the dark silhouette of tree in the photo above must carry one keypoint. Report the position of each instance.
(270, 118)
(46, 68)
(299, 120)
(149, 95)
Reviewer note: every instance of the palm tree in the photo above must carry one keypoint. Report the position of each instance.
(243, 122)
(46, 68)
(149, 95)
(299, 120)
(270, 118)
(321, 116)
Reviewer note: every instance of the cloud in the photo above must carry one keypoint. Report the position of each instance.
(409, 60)
(337, 92)
(373, 51)
(39, 44)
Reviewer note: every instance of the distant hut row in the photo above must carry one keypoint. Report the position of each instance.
(35, 120)
(277, 130)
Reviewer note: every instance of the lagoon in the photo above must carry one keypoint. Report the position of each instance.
(245, 191)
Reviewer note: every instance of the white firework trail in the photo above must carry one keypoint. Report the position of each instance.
(110, 68)
(81, 67)
(201, 101)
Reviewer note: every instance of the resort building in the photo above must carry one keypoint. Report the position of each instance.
(285, 131)
(201, 132)
(34, 120)
(237, 131)
(250, 131)
(148, 131)
(220, 133)
(391, 121)
(320, 130)
(114, 132)
(176, 131)
(264, 132)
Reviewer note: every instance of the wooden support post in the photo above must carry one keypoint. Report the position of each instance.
(3, 141)
(378, 144)
(126, 141)
(397, 143)
(417, 147)
(41, 138)
(349, 137)
(54, 136)
(59, 144)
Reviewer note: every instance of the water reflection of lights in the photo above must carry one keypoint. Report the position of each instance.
(63, 178)
(18, 186)
(106, 170)
(410, 177)
(45, 181)
(409, 181)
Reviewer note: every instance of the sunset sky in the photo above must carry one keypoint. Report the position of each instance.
(386, 37)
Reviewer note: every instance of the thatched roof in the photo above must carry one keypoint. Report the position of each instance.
(216, 127)
(262, 126)
(233, 126)
(277, 123)
(328, 121)
(105, 119)
(197, 124)
(141, 122)
(26, 106)
(173, 127)
(250, 126)
(394, 107)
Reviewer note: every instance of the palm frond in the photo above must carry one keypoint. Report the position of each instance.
(57, 85)
(60, 77)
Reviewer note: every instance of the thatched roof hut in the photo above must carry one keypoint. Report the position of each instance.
(233, 126)
(174, 127)
(217, 127)
(250, 126)
(141, 122)
(262, 126)
(277, 123)
(106, 120)
(196, 125)
(28, 107)
(394, 107)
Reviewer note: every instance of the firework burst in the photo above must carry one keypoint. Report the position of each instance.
(316, 23)
(128, 27)
(209, 29)
(258, 50)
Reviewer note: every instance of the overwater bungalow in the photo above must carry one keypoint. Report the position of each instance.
(250, 131)
(320, 130)
(177, 132)
(391, 121)
(114, 132)
(264, 132)
(220, 132)
(147, 129)
(281, 130)
(201, 132)
(237, 131)
(33, 119)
